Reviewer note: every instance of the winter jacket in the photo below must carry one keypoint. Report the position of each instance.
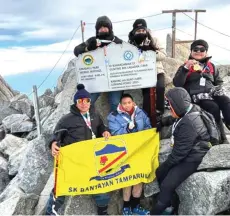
(191, 137)
(118, 124)
(77, 128)
(191, 80)
(81, 48)
(151, 42)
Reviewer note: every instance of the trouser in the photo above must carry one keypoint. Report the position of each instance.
(214, 106)
(54, 204)
(175, 176)
(160, 91)
(114, 99)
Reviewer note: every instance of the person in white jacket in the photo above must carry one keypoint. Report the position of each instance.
(141, 37)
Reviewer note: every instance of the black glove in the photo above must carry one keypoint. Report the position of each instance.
(92, 44)
(158, 123)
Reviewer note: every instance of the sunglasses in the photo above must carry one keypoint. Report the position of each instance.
(83, 101)
(197, 49)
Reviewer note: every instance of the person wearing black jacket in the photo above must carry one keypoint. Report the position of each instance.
(203, 82)
(190, 140)
(82, 123)
(104, 36)
(142, 38)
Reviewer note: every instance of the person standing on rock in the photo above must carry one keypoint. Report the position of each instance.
(141, 37)
(82, 123)
(129, 119)
(104, 36)
(202, 81)
(190, 142)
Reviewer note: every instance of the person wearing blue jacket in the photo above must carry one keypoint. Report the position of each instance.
(128, 118)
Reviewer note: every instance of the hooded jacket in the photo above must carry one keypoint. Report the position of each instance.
(118, 123)
(191, 81)
(77, 128)
(191, 137)
(101, 21)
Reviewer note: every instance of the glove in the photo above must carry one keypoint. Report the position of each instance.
(217, 91)
(92, 44)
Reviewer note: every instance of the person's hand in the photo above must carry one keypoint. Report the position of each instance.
(55, 149)
(106, 135)
(190, 63)
(92, 44)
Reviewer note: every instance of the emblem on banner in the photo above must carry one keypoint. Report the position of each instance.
(88, 60)
(128, 55)
(110, 160)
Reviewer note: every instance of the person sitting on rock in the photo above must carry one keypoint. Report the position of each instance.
(141, 37)
(190, 141)
(129, 119)
(82, 123)
(104, 36)
(202, 81)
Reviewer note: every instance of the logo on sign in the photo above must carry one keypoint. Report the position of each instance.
(128, 55)
(88, 60)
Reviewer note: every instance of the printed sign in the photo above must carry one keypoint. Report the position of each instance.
(116, 67)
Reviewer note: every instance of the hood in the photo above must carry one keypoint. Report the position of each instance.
(104, 21)
(179, 99)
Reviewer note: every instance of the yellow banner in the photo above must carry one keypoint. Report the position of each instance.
(99, 166)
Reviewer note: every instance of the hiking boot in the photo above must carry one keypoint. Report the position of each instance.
(127, 211)
(140, 211)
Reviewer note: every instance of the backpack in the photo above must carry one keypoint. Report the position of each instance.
(211, 126)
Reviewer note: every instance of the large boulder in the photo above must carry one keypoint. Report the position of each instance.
(17, 123)
(64, 107)
(47, 99)
(44, 196)
(4, 178)
(218, 157)
(22, 104)
(22, 194)
(12, 144)
(36, 166)
(6, 110)
(205, 193)
(6, 92)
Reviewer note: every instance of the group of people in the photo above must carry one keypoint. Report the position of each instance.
(197, 86)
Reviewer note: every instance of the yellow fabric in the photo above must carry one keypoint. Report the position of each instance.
(99, 166)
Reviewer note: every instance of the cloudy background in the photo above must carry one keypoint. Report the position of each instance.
(33, 34)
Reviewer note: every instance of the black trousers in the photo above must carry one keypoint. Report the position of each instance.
(214, 106)
(175, 176)
(160, 92)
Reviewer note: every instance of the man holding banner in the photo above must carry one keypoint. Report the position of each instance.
(129, 119)
(104, 36)
(82, 123)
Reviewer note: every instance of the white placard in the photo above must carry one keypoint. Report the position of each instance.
(116, 67)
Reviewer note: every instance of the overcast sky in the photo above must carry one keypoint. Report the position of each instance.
(33, 34)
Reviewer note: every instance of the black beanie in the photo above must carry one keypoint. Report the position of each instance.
(199, 42)
(81, 93)
(139, 24)
(104, 21)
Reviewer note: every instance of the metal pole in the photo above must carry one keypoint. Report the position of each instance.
(36, 109)
(173, 34)
(196, 16)
(82, 31)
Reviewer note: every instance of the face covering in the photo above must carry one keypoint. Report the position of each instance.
(139, 38)
(103, 35)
